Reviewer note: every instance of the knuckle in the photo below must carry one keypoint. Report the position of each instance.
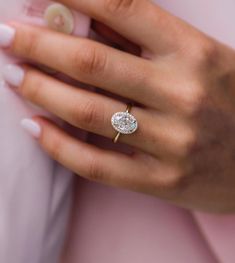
(88, 115)
(90, 59)
(190, 99)
(184, 142)
(95, 171)
(123, 7)
(31, 87)
(53, 146)
(187, 103)
(29, 45)
(178, 183)
(173, 183)
(206, 52)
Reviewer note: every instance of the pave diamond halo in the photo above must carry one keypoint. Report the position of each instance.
(124, 122)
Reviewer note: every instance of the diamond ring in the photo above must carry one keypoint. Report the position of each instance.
(124, 123)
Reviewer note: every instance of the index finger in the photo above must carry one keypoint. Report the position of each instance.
(140, 21)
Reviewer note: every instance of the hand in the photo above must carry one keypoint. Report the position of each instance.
(185, 144)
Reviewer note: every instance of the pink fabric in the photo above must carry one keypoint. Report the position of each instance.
(35, 192)
(108, 225)
(113, 225)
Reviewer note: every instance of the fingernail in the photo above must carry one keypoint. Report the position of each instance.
(13, 74)
(32, 127)
(7, 34)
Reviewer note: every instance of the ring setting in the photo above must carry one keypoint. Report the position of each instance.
(124, 123)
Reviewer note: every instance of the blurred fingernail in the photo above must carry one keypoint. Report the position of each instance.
(7, 34)
(32, 127)
(13, 74)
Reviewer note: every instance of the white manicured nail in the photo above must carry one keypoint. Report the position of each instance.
(7, 35)
(13, 74)
(32, 127)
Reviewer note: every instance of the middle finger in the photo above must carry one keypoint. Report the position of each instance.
(87, 61)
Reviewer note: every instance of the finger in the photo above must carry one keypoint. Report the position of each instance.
(138, 172)
(89, 62)
(115, 39)
(140, 21)
(157, 134)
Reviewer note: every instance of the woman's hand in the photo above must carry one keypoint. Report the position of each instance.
(185, 144)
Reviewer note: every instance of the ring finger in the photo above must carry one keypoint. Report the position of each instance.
(93, 112)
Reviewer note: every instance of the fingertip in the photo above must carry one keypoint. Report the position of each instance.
(32, 127)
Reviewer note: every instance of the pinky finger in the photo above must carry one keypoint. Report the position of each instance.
(105, 166)
(139, 172)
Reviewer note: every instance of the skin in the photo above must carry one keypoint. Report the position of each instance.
(184, 149)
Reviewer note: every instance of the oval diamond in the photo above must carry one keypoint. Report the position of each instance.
(124, 122)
